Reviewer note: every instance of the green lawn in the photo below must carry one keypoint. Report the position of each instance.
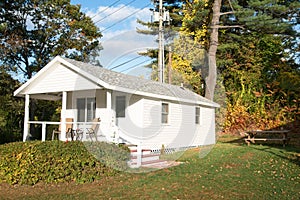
(229, 171)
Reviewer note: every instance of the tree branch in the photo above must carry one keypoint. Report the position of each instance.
(226, 13)
(234, 26)
(230, 5)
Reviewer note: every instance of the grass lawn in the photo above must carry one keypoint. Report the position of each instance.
(229, 171)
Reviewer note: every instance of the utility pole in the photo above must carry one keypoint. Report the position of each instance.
(161, 16)
(170, 65)
(161, 44)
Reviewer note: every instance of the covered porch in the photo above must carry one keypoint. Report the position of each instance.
(82, 107)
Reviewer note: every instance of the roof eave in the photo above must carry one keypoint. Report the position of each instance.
(157, 96)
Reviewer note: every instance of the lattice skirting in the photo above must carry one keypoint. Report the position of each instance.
(170, 150)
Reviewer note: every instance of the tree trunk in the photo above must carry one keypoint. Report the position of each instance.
(211, 79)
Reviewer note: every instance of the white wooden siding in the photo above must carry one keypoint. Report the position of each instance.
(131, 124)
(181, 131)
(143, 120)
(151, 118)
(58, 78)
(206, 132)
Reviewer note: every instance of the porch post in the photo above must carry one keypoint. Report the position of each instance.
(63, 116)
(26, 117)
(139, 155)
(109, 105)
(108, 100)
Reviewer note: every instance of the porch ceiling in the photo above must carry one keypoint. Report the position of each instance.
(55, 96)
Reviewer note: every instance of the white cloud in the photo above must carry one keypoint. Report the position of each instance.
(121, 42)
(113, 19)
(126, 44)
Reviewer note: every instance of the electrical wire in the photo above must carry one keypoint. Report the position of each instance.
(125, 62)
(114, 3)
(137, 65)
(115, 11)
(125, 18)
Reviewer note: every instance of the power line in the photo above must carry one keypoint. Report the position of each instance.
(115, 11)
(125, 62)
(105, 8)
(125, 18)
(137, 65)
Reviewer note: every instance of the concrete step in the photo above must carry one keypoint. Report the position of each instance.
(146, 158)
(144, 152)
(150, 164)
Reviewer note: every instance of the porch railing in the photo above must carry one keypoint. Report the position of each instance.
(45, 123)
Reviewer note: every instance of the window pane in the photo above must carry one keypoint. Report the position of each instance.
(81, 110)
(91, 109)
(164, 113)
(197, 115)
(164, 119)
(164, 108)
(120, 106)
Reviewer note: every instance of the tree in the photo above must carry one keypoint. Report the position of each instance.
(204, 19)
(11, 110)
(254, 59)
(257, 47)
(34, 31)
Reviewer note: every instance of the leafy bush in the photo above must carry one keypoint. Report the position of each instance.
(56, 161)
(109, 155)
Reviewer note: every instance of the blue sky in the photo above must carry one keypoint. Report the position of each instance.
(118, 25)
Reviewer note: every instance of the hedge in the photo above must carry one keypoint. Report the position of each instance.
(57, 161)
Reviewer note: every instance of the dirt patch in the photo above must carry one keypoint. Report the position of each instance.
(247, 156)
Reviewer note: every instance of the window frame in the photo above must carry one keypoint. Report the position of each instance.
(121, 106)
(86, 109)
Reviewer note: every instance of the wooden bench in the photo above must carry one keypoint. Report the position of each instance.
(258, 135)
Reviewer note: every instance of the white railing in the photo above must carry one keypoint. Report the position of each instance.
(45, 123)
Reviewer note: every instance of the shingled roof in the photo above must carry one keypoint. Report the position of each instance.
(140, 85)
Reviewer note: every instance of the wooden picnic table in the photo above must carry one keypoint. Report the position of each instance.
(259, 135)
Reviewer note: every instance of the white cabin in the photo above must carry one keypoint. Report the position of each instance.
(132, 110)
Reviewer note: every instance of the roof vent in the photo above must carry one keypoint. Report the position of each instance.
(181, 85)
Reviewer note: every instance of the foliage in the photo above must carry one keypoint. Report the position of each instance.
(56, 161)
(256, 78)
(196, 21)
(109, 155)
(183, 73)
(257, 49)
(34, 31)
(11, 110)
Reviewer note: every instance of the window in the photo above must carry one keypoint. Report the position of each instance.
(120, 106)
(164, 113)
(197, 115)
(86, 109)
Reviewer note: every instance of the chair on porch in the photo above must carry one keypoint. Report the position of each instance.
(94, 129)
(69, 129)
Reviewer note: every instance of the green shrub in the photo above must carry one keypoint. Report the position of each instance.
(109, 155)
(56, 161)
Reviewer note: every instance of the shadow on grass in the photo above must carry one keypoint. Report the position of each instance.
(292, 147)
(290, 152)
